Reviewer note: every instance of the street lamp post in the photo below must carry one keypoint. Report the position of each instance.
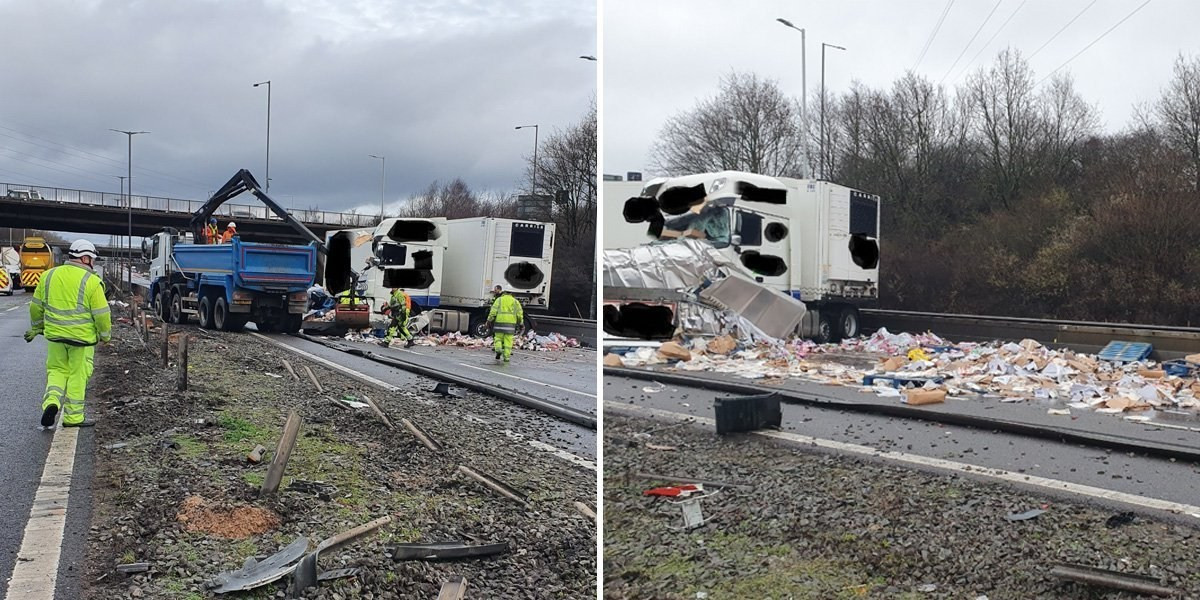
(129, 201)
(268, 84)
(823, 46)
(535, 162)
(803, 80)
(382, 183)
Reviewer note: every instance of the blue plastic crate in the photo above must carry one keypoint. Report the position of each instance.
(1180, 368)
(1126, 351)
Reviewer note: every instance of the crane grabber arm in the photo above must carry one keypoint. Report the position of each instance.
(243, 181)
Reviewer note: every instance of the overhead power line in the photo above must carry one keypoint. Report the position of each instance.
(971, 41)
(1085, 48)
(1064, 28)
(985, 45)
(933, 34)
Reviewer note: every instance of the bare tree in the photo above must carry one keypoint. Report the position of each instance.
(456, 200)
(1005, 123)
(750, 125)
(1178, 112)
(567, 169)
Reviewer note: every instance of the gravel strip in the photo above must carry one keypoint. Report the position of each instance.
(816, 525)
(180, 445)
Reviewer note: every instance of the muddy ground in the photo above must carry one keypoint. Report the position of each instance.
(174, 487)
(814, 525)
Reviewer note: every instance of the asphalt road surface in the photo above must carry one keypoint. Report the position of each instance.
(542, 376)
(1111, 470)
(23, 448)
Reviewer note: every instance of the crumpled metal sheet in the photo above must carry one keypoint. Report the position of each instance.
(681, 264)
(254, 573)
(771, 312)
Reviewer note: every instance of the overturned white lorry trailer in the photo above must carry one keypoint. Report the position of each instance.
(809, 240)
(447, 267)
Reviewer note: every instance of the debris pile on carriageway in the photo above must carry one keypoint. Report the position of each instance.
(1024, 371)
(530, 340)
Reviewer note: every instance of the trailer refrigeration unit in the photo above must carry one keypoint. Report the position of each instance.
(813, 240)
(398, 253)
(485, 252)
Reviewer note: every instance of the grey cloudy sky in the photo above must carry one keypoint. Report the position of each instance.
(435, 86)
(660, 57)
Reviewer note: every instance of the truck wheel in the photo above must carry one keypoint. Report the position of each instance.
(479, 326)
(290, 323)
(163, 306)
(220, 315)
(177, 315)
(850, 327)
(206, 312)
(824, 329)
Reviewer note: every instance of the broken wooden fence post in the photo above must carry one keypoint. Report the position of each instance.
(166, 343)
(454, 589)
(320, 390)
(585, 510)
(421, 436)
(378, 413)
(181, 382)
(496, 486)
(287, 365)
(283, 451)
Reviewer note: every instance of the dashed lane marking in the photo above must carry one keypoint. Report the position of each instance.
(939, 463)
(36, 572)
(550, 385)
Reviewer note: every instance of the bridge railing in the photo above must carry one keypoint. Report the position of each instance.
(226, 211)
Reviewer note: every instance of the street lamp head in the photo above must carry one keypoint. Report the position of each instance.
(267, 82)
(832, 46)
(588, 57)
(786, 23)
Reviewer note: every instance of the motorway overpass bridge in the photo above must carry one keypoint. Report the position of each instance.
(82, 211)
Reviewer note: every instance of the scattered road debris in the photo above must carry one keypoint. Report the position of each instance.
(378, 413)
(747, 413)
(1138, 584)
(674, 479)
(446, 550)
(662, 447)
(256, 455)
(283, 452)
(421, 435)
(130, 568)
(585, 510)
(320, 489)
(443, 389)
(495, 485)
(1025, 516)
(306, 575)
(454, 589)
(313, 379)
(254, 573)
(1119, 519)
(675, 491)
(287, 365)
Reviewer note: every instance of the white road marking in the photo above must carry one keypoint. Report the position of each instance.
(36, 572)
(568, 390)
(941, 464)
(332, 365)
(16, 307)
(563, 454)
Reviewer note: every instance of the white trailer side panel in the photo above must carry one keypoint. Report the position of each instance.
(468, 263)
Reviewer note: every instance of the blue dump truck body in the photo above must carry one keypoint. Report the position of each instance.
(224, 286)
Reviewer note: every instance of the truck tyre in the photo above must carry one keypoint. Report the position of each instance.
(290, 323)
(206, 312)
(163, 306)
(479, 326)
(825, 327)
(265, 326)
(849, 323)
(220, 315)
(177, 315)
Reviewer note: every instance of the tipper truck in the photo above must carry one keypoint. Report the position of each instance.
(813, 240)
(36, 258)
(226, 285)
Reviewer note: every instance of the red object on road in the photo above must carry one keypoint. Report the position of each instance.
(674, 490)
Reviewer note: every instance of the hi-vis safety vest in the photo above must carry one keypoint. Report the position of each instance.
(400, 298)
(69, 306)
(506, 313)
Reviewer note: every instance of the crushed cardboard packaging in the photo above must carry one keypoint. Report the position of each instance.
(673, 351)
(529, 340)
(1024, 371)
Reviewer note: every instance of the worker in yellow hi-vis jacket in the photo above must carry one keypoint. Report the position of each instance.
(505, 316)
(70, 309)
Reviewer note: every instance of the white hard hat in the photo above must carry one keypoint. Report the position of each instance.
(232, 225)
(81, 248)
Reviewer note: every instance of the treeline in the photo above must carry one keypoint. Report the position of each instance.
(566, 171)
(1001, 195)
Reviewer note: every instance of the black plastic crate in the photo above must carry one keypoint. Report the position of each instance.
(748, 413)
